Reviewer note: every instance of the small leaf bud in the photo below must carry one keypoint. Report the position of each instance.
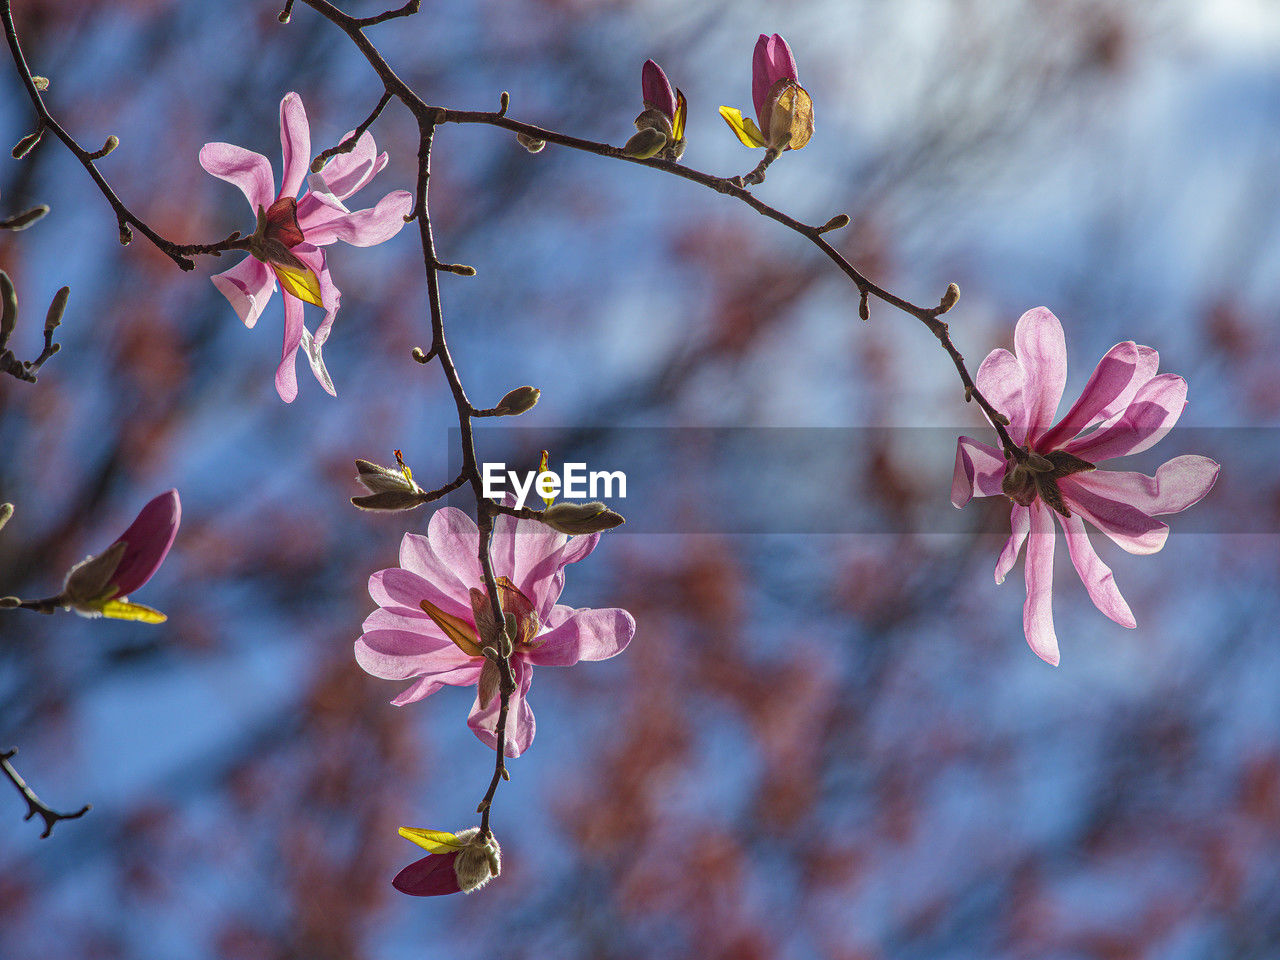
(949, 298)
(41, 83)
(580, 518)
(8, 307)
(517, 401)
(532, 144)
(864, 306)
(26, 144)
(56, 309)
(646, 143)
(25, 219)
(10, 602)
(837, 222)
(90, 579)
(6, 511)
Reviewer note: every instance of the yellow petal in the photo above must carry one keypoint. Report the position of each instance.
(744, 127)
(301, 282)
(124, 610)
(677, 124)
(433, 841)
(455, 628)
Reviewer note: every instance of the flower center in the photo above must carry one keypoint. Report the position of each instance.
(1037, 475)
(471, 637)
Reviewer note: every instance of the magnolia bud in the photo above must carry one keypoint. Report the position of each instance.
(25, 219)
(837, 222)
(477, 863)
(579, 518)
(6, 511)
(517, 401)
(41, 83)
(790, 116)
(388, 500)
(10, 602)
(110, 144)
(56, 309)
(8, 307)
(25, 145)
(379, 479)
(949, 298)
(90, 579)
(645, 144)
(532, 144)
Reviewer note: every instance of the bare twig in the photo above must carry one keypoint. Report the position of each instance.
(34, 804)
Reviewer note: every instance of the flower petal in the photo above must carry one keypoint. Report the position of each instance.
(295, 142)
(404, 590)
(286, 372)
(1148, 364)
(1114, 373)
(432, 876)
(1132, 529)
(1020, 522)
(1178, 484)
(1155, 409)
(360, 228)
(584, 634)
(247, 286)
(978, 467)
(656, 89)
(760, 82)
(454, 539)
(743, 127)
(1042, 351)
(331, 300)
(463, 676)
(1096, 575)
(347, 173)
(782, 64)
(249, 171)
(1003, 382)
(399, 655)
(1037, 612)
(520, 723)
(147, 541)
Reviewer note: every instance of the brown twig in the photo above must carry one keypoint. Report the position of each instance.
(34, 804)
(349, 144)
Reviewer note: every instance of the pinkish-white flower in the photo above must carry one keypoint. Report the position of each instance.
(292, 231)
(1125, 408)
(425, 625)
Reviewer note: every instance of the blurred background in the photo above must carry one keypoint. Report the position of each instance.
(818, 745)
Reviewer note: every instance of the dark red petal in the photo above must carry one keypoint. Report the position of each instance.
(282, 222)
(432, 876)
(147, 540)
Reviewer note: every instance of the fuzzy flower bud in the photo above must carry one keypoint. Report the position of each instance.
(458, 863)
(579, 518)
(518, 401)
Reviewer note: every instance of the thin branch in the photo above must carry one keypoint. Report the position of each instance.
(349, 144)
(34, 804)
(408, 10)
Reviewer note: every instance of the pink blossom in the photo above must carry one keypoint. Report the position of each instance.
(1126, 407)
(425, 624)
(656, 90)
(297, 230)
(784, 110)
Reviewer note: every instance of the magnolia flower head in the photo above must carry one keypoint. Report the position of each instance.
(784, 109)
(660, 126)
(99, 586)
(435, 618)
(461, 862)
(291, 229)
(1125, 408)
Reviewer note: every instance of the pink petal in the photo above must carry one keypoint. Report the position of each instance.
(1003, 382)
(520, 724)
(463, 676)
(1111, 378)
(1042, 351)
(247, 286)
(286, 372)
(1096, 575)
(418, 557)
(979, 467)
(1037, 612)
(454, 539)
(346, 173)
(530, 553)
(404, 590)
(1148, 364)
(1131, 528)
(249, 171)
(760, 82)
(399, 655)
(1020, 522)
(583, 634)
(656, 89)
(361, 228)
(331, 297)
(782, 65)
(1178, 484)
(431, 876)
(147, 540)
(295, 142)
(1155, 409)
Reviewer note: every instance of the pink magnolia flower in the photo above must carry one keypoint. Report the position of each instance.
(1126, 407)
(425, 624)
(660, 126)
(783, 107)
(100, 585)
(292, 229)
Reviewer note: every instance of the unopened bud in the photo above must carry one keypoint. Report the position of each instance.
(56, 309)
(790, 116)
(839, 221)
(420, 355)
(26, 144)
(388, 500)
(532, 144)
(110, 144)
(864, 306)
(8, 307)
(10, 602)
(579, 518)
(90, 579)
(646, 143)
(379, 479)
(25, 219)
(518, 401)
(477, 863)
(126, 235)
(949, 298)
(6, 511)
(41, 83)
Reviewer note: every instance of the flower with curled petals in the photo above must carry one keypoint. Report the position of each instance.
(784, 109)
(291, 230)
(434, 617)
(1125, 408)
(660, 126)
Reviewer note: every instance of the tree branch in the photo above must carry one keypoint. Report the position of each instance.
(34, 804)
